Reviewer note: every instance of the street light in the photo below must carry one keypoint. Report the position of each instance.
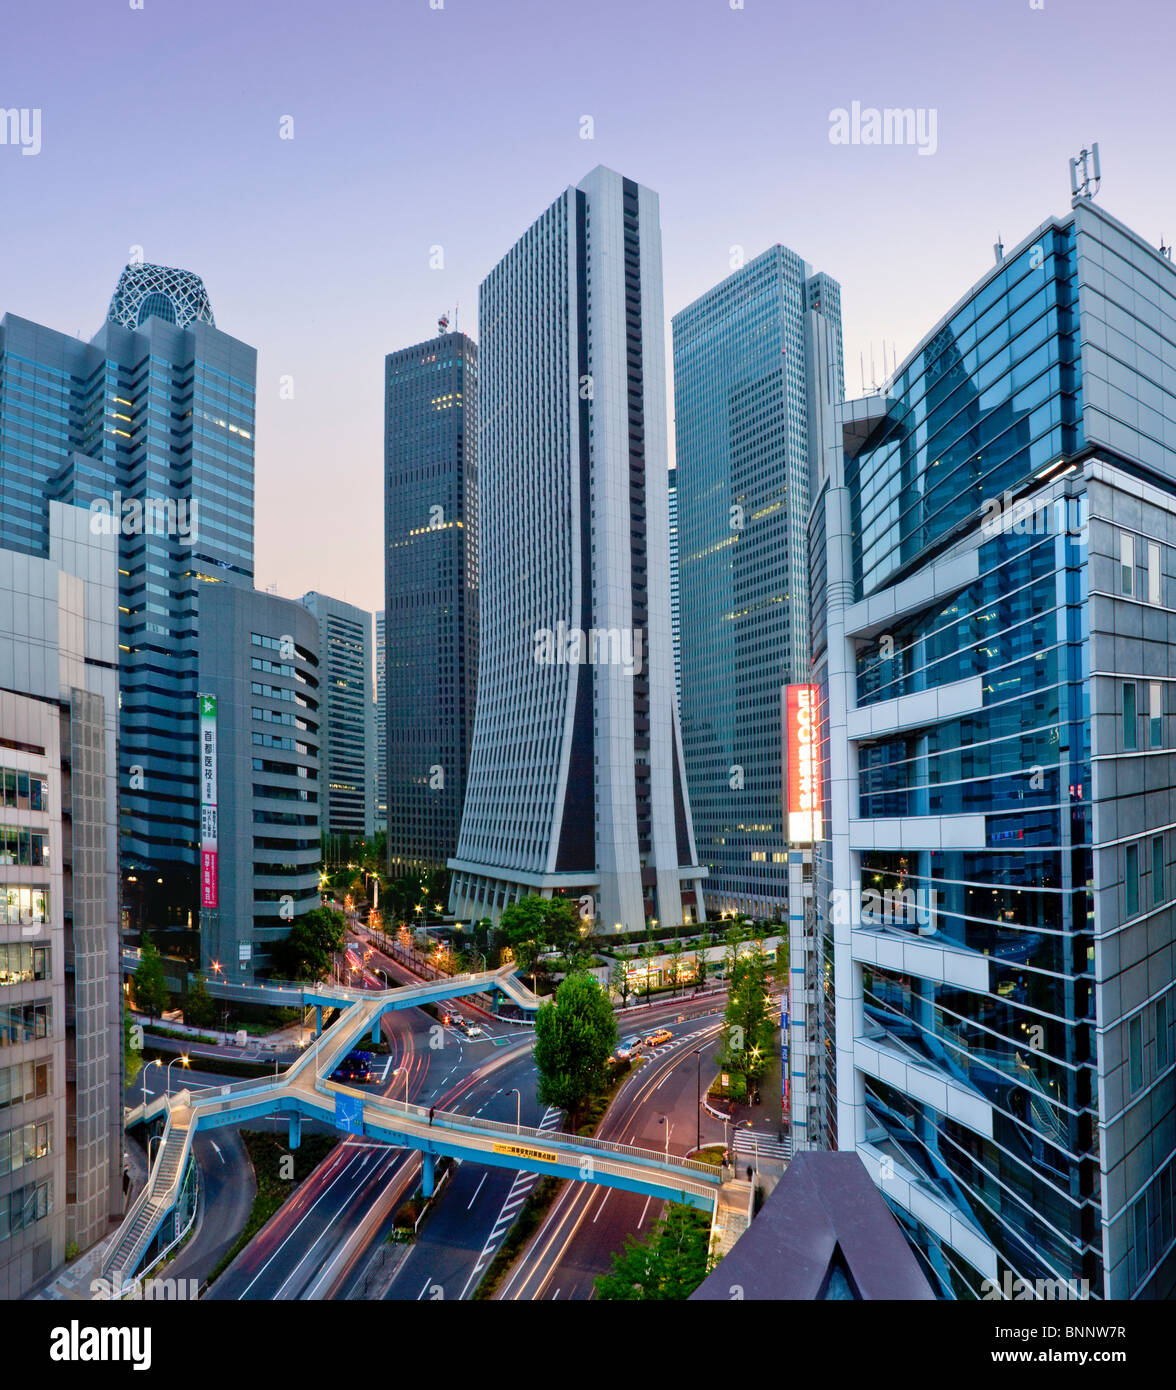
(669, 1130)
(154, 1062)
(518, 1110)
(698, 1092)
(167, 1078)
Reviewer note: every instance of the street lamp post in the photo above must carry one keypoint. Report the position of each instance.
(154, 1062)
(698, 1093)
(167, 1076)
(665, 1119)
(518, 1110)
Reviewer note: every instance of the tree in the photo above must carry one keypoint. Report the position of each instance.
(699, 969)
(574, 1038)
(669, 1265)
(199, 1009)
(305, 952)
(151, 992)
(675, 964)
(747, 1031)
(132, 1051)
(618, 980)
(524, 928)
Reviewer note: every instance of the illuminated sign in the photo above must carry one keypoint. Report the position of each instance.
(802, 764)
(208, 865)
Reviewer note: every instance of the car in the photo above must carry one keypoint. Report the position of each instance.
(627, 1047)
(356, 1066)
(473, 1031)
(657, 1037)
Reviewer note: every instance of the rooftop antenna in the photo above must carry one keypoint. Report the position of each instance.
(443, 324)
(1086, 173)
(1165, 251)
(862, 363)
(998, 245)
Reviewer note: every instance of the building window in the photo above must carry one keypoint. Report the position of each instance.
(1134, 1054)
(1153, 572)
(1128, 714)
(1131, 875)
(1157, 870)
(1161, 1035)
(1127, 563)
(1155, 710)
(1139, 1228)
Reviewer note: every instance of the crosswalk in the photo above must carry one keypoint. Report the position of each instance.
(676, 1042)
(749, 1142)
(520, 1190)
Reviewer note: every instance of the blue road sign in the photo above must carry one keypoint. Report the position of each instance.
(348, 1114)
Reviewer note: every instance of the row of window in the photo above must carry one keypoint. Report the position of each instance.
(24, 1082)
(22, 1145)
(1152, 1223)
(21, 1023)
(23, 906)
(1131, 584)
(21, 962)
(24, 791)
(1155, 714)
(1136, 1067)
(23, 1207)
(19, 844)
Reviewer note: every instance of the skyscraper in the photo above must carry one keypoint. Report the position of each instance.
(675, 606)
(151, 425)
(60, 1003)
(576, 781)
(262, 691)
(348, 727)
(749, 358)
(993, 571)
(431, 593)
(381, 724)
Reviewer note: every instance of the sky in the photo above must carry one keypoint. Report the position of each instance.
(454, 123)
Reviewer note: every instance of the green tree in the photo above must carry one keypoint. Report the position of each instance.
(151, 992)
(747, 1031)
(305, 952)
(132, 1053)
(199, 1009)
(674, 964)
(668, 1265)
(699, 969)
(524, 929)
(618, 981)
(574, 1038)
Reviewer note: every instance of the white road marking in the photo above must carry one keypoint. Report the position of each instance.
(644, 1209)
(600, 1208)
(478, 1189)
(424, 1286)
(216, 1146)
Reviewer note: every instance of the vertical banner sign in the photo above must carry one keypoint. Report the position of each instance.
(803, 755)
(208, 869)
(784, 1058)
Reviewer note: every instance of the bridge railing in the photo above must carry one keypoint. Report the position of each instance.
(476, 1124)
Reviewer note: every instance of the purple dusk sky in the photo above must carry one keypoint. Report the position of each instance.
(456, 126)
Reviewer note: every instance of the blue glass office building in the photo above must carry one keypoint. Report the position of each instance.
(993, 578)
(151, 425)
(750, 356)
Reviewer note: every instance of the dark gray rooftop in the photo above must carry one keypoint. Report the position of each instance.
(824, 1233)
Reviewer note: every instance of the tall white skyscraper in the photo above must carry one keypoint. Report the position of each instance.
(577, 783)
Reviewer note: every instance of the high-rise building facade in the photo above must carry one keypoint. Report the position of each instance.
(60, 1001)
(348, 725)
(576, 782)
(260, 706)
(675, 607)
(380, 715)
(431, 593)
(750, 359)
(151, 425)
(993, 577)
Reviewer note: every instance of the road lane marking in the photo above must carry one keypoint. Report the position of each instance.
(644, 1209)
(599, 1209)
(478, 1189)
(216, 1146)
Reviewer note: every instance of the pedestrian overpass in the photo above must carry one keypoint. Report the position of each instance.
(305, 1091)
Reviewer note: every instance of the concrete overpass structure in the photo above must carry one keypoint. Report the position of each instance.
(305, 1091)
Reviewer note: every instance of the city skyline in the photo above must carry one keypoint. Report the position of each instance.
(294, 237)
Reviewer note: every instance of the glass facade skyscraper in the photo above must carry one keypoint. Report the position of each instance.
(750, 356)
(431, 593)
(993, 575)
(151, 426)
